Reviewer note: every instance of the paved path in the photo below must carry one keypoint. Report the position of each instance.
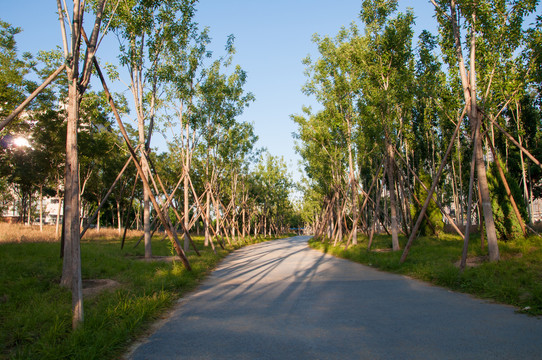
(282, 300)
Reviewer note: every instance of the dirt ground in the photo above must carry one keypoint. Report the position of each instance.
(93, 287)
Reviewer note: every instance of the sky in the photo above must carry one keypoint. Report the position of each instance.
(271, 38)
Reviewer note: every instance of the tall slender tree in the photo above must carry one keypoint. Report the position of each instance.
(146, 29)
(78, 68)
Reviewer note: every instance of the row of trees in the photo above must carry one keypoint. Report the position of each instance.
(405, 131)
(212, 176)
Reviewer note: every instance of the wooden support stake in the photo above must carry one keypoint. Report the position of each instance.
(469, 206)
(128, 213)
(452, 222)
(376, 216)
(506, 186)
(185, 230)
(200, 207)
(432, 190)
(31, 97)
(102, 203)
(525, 151)
(171, 234)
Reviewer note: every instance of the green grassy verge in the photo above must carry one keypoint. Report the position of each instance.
(515, 280)
(35, 312)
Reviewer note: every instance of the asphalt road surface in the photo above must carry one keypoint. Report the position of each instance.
(283, 300)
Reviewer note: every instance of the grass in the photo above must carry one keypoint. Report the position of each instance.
(23, 233)
(35, 312)
(515, 280)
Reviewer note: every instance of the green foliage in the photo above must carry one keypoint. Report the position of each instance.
(533, 53)
(375, 12)
(506, 222)
(12, 70)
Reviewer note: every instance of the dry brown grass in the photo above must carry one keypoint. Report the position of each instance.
(24, 233)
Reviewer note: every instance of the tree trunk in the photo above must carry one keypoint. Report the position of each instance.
(480, 226)
(207, 217)
(82, 214)
(469, 92)
(339, 235)
(244, 221)
(146, 202)
(186, 207)
(460, 192)
(71, 270)
(119, 222)
(391, 188)
(524, 181)
(234, 207)
(250, 222)
(376, 216)
(217, 216)
(138, 217)
(401, 199)
(41, 208)
(355, 212)
(58, 208)
(531, 197)
(491, 232)
(331, 223)
(264, 225)
(29, 210)
(455, 193)
(469, 204)
(352, 182)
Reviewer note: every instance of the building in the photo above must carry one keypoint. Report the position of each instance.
(51, 209)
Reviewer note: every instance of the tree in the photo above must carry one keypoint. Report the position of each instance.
(183, 73)
(226, 144)
(272, 185)
(386, 56)
(78, 81)
(146, 30)
(324, 159)
(334, 82)
(494, 28)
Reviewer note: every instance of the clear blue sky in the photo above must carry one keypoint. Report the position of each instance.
(272, 37)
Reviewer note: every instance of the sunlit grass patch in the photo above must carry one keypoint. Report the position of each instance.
(22, 233)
